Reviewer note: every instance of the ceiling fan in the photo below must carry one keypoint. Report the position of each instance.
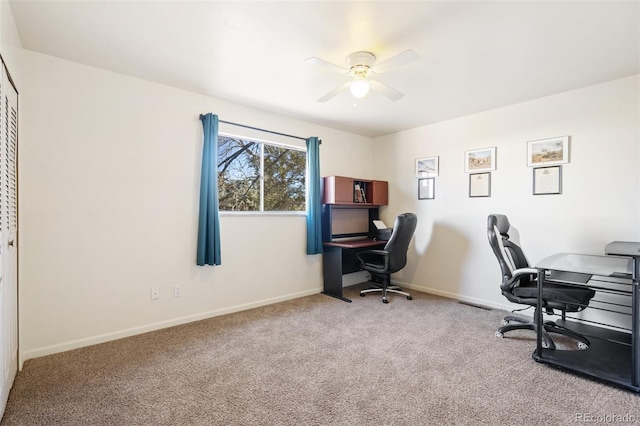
(362, 67)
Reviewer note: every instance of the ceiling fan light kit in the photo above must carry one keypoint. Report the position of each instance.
(360, 65)
(359, 86)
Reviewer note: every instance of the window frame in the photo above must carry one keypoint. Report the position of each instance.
(262, 212)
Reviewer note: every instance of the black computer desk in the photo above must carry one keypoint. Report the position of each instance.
(339, 258)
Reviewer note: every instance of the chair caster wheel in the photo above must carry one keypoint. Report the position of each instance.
(582, 345)
(361, 294)
(504, 322)
(498, 334)
(409, 298)
(385, 301)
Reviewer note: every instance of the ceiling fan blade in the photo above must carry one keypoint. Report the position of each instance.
(385, 90)
(322, 63)
(396, 61)
(342, 88)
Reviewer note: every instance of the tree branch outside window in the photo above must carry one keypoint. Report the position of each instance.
(252, 174)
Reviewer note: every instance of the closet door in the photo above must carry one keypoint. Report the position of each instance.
(8, 236)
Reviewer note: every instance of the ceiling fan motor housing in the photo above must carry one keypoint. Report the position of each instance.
(360, 62)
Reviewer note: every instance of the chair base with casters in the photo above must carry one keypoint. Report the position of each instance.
(385, 288)
(516, 323)
(556, 298)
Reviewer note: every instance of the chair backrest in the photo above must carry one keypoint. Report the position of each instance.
(398, 244)
(510, 255)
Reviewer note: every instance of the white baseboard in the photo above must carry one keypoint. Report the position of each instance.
(102, 338)
(472, 300)
(361, 277)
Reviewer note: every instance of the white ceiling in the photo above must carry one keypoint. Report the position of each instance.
(474, 56)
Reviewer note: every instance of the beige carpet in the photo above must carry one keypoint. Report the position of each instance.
(315, 361)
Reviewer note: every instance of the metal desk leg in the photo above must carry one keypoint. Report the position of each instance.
(635, 324)
(538, 315)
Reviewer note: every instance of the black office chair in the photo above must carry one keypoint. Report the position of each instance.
(519, 285)
(382, 263)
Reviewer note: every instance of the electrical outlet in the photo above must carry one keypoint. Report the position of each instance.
(177, 291)
(155, 293)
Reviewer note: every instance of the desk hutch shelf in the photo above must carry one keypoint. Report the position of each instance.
(340, 190)
(344, 210)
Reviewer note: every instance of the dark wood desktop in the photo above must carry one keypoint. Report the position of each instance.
(355, 244)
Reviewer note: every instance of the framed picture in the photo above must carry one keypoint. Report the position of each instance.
(480, 184)
(426, 167)
(544, 152)
(547, 180)
(426, 189)
(480, 160)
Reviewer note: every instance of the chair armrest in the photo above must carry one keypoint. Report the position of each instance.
(374, 252)
(376, 259)
(524, 271)
(516, 276)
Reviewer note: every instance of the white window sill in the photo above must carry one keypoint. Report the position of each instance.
(262, 214)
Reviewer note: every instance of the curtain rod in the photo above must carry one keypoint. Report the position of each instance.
(262, 130)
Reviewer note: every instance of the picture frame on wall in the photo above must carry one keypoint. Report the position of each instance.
(427, 167)
(480, 160)
(547, 180)
(480, 184)
(545, 152)
(426, 189)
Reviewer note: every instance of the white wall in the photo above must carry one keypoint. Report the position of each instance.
(109, 184)
(109, 172)
(600, 200)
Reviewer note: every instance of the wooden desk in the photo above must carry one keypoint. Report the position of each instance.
(339, 258)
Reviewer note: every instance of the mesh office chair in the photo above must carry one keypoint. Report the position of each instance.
(519, 285)
(382, 263)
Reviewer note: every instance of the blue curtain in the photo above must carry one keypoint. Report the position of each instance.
(314, 223)
(209, 220)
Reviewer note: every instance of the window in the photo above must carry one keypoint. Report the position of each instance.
(260, 176)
